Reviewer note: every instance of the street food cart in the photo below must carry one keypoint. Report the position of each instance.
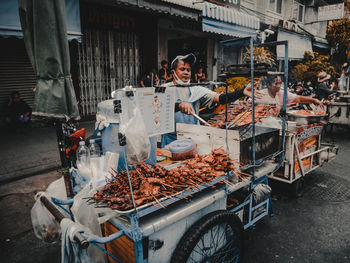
(339, 109)
(304, 150)
(202, 222)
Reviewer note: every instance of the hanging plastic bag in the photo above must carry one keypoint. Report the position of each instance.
(137, 139)
(44, 224)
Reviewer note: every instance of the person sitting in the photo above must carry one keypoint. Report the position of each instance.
(191, 98)
(164, 73)
(150, 79)
(274, 94)
(322, 90)
(17, 113)
(200, 76)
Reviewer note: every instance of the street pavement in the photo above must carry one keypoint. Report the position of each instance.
(311, 229)
(31, 152)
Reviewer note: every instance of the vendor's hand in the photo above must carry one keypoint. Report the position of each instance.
(318, 103)
(186, 108)
(248, 91)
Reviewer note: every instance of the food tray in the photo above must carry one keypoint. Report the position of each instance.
(154, 206)
(304, 119)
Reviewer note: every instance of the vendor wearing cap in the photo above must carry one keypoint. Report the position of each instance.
(191, 98)
(322, 91)
(274, 94)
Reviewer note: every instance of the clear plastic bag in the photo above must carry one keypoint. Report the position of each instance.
(137, 140)
(44, 224)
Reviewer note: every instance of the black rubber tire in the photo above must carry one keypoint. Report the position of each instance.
(297, 188)
(191, 238)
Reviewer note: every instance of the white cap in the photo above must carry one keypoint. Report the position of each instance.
(81, 143)
(91, 140)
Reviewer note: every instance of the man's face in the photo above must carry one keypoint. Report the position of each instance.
(183, 71)
(276, 85)
(16, 98)
(165, 65)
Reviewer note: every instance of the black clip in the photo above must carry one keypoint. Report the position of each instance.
(129, 93)
(122, 139)
(283, 113)
(160, 89)
(117, 106)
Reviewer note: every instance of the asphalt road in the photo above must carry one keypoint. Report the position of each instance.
(313, 228)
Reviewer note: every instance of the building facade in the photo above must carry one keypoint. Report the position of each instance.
(115, 42)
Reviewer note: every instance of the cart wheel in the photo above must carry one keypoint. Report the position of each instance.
(297, 187)
(217, 237)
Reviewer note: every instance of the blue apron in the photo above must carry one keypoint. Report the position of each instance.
(180, 117)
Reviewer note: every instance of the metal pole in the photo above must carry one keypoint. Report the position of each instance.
(284, 108)
(253, 104)
(64, 161)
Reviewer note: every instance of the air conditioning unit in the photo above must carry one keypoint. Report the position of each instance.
(293, 27)
(290, 26)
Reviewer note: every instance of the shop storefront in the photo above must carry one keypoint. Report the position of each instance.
(16, 71)
(112, 52)
(180, 37)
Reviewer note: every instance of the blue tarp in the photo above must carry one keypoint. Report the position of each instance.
(10, 24)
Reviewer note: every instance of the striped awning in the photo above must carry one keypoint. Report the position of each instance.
(193, 4)
(228, 21)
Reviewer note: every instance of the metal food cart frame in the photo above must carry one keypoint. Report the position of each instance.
(323, 152)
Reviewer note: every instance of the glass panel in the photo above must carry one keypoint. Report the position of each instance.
(301, 11)
(279, 6)
(272, 5)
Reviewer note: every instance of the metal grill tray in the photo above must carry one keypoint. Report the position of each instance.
(304, 119)
(154, 206)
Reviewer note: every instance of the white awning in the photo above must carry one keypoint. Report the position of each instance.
(228, 21)
(297, 44)
(193, 4)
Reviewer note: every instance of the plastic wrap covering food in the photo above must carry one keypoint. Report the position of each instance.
(105, 112)
(137, 140)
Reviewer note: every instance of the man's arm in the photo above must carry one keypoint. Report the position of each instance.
(230, 97)
(307, 100)
(233, 96)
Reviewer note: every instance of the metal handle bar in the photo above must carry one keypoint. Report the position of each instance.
(58, 216)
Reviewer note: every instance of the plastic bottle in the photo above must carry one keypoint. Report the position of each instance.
(94, 149)
(95, 154)
(83, 159)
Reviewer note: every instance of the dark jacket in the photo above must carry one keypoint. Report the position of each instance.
(322, 91)
(17, 109)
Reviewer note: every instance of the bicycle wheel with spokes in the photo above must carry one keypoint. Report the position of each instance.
(217, 238)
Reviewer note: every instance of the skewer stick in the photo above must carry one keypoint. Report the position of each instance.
(200, 119)
(158, 201)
